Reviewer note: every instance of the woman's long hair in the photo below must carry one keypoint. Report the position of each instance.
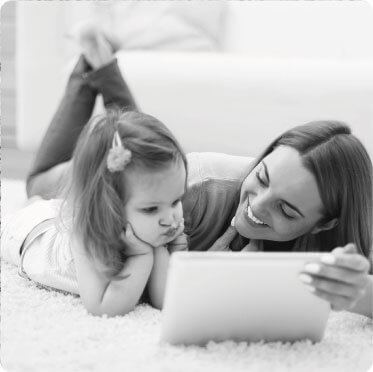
(96, 196)
(343, 172)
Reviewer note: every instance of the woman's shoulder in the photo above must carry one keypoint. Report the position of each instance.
(203, 166)
(214, 181)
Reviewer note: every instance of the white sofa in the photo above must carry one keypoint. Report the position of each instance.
(282, 63)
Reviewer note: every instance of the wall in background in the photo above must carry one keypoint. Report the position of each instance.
(8, 74)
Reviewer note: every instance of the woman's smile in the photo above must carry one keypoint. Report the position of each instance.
(251, 218)
(276, 204)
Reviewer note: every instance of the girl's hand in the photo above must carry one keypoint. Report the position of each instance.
(340, 277)
(180, 243)
(136, 245)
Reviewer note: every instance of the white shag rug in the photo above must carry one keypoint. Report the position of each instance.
(48, 331)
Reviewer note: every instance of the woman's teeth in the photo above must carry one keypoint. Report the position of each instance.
(252, 217)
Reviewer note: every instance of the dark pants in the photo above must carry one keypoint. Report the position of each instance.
(56, 149)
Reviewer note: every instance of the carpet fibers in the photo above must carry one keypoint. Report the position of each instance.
(43, 330)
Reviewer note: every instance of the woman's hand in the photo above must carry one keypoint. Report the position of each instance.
(340, 277)
(136, 246)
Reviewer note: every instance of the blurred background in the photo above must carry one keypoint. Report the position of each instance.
(225, 76)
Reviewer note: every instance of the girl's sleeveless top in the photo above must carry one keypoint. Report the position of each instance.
(33, 239)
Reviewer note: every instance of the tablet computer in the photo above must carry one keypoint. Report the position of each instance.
(242, 296)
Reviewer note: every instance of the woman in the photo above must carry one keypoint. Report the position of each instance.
(310, 190)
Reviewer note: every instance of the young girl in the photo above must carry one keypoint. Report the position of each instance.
(121, 214)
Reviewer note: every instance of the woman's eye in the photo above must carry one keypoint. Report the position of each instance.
(286, 214)
(261, 181)
(150, 210)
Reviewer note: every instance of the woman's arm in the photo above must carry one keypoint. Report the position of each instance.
(112, 296)
(342, 279)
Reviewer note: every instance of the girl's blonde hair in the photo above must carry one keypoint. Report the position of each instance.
(343, 172)
(96, 195)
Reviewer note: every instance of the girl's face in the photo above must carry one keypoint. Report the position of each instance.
(279, 199)
(154, 207)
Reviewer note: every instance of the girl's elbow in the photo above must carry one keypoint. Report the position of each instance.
(109, 311)
(110, 303)
(94, 309)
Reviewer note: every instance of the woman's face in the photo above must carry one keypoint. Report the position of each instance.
(154, 207)
(279, 199)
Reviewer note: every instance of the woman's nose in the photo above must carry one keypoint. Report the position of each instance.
(260, 205)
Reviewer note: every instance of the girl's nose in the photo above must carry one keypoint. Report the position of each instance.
(169, 220)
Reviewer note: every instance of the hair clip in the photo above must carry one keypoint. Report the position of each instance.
(118, 156)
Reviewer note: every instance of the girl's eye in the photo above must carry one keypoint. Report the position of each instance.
(286, 214)
(176, 202)
(150, 210)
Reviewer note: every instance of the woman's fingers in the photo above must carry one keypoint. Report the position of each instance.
(334, 286)
(347, 257)
(336, 273)
(337, 302)
(340, 277)
(348, 248)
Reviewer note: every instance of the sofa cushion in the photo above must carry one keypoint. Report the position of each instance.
(162, 25)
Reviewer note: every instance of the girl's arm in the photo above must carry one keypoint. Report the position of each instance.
(112, 296)
(158, 276)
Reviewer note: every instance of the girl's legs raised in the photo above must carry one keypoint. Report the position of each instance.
(109, 82)
(59, 141)
(55, 152)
